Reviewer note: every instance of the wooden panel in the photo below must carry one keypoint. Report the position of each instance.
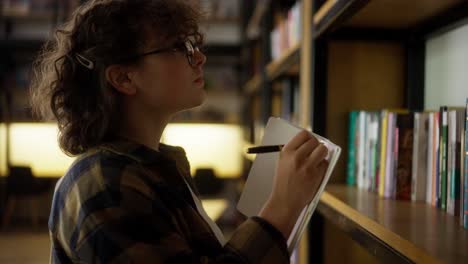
(350, 252)
(361, 75)
(398, 13)
(417, 230)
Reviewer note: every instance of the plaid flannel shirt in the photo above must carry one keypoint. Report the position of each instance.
(123, 202)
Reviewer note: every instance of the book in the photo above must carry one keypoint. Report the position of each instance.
(442, 186)
(465, 188)
(457, 186)
(451, 149)
(390, 156)
(383, 151)
(361, 153)
(435, 159)
(378, 144)
(455, 124)
(430, 155)
(352, 143)
(373, 145)
(260, 180)
(405, 124)
(462, 165)
(419, 166)
(368, 151)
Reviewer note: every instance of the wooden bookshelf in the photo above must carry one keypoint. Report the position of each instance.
(287, 64)
(253, 85)
(397, 231)
(378, 63)
(284, 64)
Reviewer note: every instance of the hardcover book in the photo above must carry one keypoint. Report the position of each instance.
(405, 124)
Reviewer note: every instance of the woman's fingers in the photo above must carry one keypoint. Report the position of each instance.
(318, 155)
(323, 166)
(306, 149)
(298, 140)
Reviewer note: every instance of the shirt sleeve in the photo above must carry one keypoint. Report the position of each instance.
(136, 228)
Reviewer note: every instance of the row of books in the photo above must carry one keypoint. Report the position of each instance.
(287, 31)
(417, 156)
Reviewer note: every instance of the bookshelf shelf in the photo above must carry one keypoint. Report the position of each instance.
(285, 63)
(382, 14)
(333, 13)
(288, 63)
(400, 230)
(253, 85)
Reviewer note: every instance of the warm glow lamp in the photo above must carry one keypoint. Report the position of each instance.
(3, 140)
(216, 146)
(35, 145)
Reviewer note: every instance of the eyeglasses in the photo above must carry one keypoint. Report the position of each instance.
(188, 47)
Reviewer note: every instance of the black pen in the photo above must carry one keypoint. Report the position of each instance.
(265, 149)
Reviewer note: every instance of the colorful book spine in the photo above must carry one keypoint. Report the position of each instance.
(388, 191)
(462, 165)
(443, 160)
(451, 150)
(383, 151)
(405, 125)
(465, 203)
(456, 187)
(419, 166)
(373, 137)
(368, 152)
(361, 157)
(351, 168)
(377, 152)
(430, 151)
(435, 158)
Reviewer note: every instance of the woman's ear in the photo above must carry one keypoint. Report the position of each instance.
(117, 76)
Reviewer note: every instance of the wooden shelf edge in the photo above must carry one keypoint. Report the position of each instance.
(253, 24)
(396, 242)
(253, 85)
(334, 12)
(284, 62)
(324, 9)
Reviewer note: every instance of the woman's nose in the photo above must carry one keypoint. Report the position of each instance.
(200, 58)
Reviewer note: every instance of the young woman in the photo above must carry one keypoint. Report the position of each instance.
(112, 78)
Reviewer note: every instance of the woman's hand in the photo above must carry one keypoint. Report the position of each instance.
(299, 172)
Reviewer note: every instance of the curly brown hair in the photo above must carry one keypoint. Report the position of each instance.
(104, 32)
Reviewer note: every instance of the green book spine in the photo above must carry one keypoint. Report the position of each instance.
(351, 168)
(443, 171)
(465, 189)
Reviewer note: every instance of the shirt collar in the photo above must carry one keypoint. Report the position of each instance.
(144, 154)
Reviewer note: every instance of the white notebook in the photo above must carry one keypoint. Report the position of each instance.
(260, 180)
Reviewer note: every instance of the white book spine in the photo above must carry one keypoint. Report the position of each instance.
(361, 149)
(389, 159)
(452, 128)
(430, 142)
(414, 166)
(368, 151)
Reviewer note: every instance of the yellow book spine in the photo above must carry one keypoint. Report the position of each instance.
(383, 150)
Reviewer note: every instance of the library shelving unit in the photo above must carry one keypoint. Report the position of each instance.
(358, 54)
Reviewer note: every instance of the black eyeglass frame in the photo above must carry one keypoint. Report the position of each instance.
(188, 48)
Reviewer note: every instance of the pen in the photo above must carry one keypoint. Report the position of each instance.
(264, 149)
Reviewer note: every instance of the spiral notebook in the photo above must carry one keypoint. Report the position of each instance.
(259, 183)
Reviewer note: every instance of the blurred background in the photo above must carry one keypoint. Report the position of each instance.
(311, 62)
